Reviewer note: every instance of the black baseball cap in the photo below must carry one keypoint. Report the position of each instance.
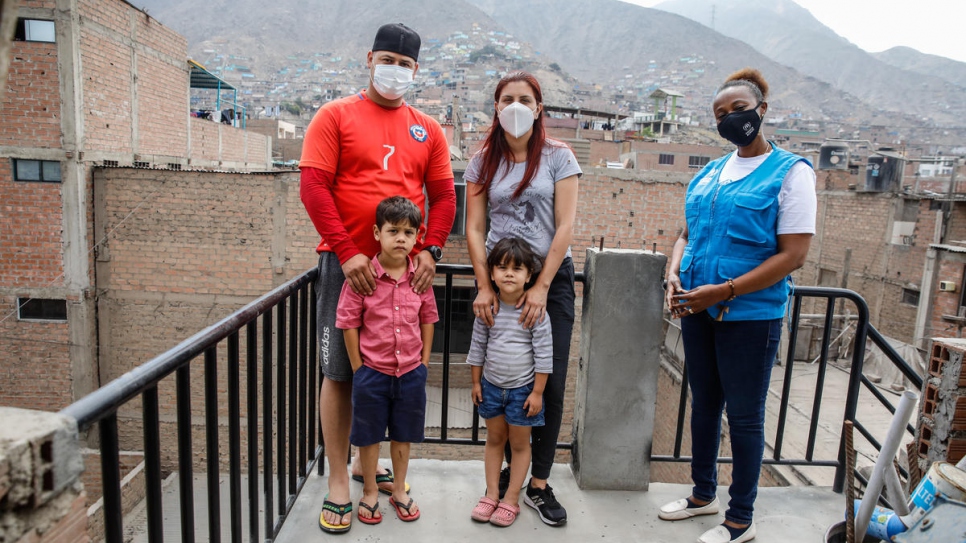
(397, 38)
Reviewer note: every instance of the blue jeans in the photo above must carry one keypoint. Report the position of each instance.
(509, 403)
(729, 367)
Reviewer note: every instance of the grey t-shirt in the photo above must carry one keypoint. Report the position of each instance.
(509, 353)
(531, 216)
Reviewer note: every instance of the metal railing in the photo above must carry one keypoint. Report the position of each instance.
(864, 330)
(285, 355)
(281, 352)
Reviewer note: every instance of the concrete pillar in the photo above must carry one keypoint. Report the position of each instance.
(41, 497)
(76, 204)
(620, 343)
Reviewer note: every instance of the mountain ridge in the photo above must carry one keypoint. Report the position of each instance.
(789, 34)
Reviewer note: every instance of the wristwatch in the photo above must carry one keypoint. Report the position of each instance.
(435, 251)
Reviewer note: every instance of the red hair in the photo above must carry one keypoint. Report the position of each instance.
(495, 148)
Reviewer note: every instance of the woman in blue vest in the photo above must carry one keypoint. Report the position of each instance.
(750, 218)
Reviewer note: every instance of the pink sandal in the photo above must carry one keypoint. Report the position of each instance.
(484, 509)
(504, 515)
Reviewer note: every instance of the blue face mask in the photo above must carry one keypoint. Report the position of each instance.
(741, 127)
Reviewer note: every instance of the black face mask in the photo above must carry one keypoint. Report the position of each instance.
(740, 127)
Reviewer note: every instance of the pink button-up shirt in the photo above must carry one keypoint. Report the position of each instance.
(388, 321)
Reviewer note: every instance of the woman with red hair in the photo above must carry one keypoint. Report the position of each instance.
(529, 183)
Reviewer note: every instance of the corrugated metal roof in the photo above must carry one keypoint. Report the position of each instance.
(201, 78)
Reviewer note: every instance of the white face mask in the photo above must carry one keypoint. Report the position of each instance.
(517, 119)
(391, 81)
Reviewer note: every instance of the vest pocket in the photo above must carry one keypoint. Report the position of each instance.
(686, 259)
(730, 267)
(752, 220)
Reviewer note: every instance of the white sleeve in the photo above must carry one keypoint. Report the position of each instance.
(797, 201)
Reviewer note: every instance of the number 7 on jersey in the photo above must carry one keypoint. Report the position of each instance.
(385, 159)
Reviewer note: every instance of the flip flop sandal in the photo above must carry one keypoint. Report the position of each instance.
(484, 509)
(381, 478)
(504, 515)
(339, 509)
(400, 507)
(373, 511)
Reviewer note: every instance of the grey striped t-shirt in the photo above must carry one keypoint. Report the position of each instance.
(509, 353)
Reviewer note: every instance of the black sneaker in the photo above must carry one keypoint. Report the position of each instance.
(546, 504)
(504, 481)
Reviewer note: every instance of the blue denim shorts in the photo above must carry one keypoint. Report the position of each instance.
(509, 403)
(381, 401)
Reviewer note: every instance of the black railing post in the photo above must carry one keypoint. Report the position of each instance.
(280, 399)
(211, 444)
(855, 374)
(185, 455)
(251, 412)
(682, 406)
(315, 437)
(152, 465)
(447, 333)
(111, 480)
(293, 401)
(820, 380)
(234, 439)
(268, 458)
(789, 367)
(303, 380)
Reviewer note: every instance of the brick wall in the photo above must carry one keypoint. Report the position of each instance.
(162, 91)
(204, 141)
(108, 109)
(31, 233)
(30, 108)
(879, 270)
(135, 83)
(218, 145)
(34, 366)
(197, 247)
(950, 267)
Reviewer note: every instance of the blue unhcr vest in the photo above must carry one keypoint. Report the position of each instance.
(732, 230)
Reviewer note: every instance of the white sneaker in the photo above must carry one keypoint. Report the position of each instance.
(720, 534)
(679, 510)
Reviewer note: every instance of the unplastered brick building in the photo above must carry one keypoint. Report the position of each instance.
(91, 83)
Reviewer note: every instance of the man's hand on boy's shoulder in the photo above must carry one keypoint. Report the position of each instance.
(425, 271)
(360, 274)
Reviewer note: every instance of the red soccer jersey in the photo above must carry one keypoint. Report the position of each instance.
(374, 152)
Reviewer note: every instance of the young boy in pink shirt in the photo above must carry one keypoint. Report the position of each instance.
(388, 336)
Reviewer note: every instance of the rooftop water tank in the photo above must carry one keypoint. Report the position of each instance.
(882, 173)
(833, 156)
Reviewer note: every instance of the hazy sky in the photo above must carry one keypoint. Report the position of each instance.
(937, 27)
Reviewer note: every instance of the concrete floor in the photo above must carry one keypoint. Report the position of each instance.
(447, 491)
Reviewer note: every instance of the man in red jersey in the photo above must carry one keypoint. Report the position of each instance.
(359, 150)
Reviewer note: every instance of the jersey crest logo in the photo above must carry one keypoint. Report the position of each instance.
(418, 133)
